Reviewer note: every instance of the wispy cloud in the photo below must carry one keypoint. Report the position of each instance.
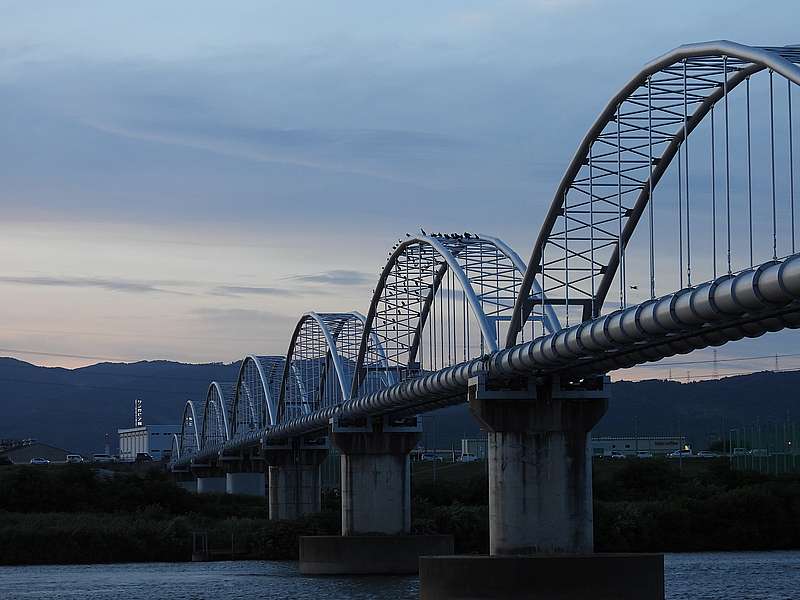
(114, 285)
(344, 277)
(243, 290)
(234, 314)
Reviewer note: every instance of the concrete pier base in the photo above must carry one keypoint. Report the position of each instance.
(540, 467)
(248, 484)
(189, 485)
(376, 481)
(369, 554)
(543, 577)
(212, 485)
(294, 482)
(294, 491)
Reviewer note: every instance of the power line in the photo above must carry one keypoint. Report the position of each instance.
(718, 360)
(64, 355)
(111, 373)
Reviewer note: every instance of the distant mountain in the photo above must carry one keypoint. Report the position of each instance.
(75, 408)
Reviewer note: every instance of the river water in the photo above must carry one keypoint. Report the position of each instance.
(702, 576)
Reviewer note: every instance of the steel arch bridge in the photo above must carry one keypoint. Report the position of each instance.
(701, 139)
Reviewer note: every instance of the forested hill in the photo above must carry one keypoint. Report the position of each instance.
(74, 408)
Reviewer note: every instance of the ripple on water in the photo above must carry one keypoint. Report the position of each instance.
(702, 576)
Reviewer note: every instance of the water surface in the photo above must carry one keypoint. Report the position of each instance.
(702, 576)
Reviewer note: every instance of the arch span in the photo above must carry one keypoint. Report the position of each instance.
(254, 401)
(219, 401)
(189, 442)
(607, 187)
(462, 286)
(320, 362)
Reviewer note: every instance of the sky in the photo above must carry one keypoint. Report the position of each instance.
(182, 180)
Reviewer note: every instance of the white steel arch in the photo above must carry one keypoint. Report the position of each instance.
(320, 362)
(219, 399)
(476, 276)
(190, 431)
(254, 402)
(606, 188)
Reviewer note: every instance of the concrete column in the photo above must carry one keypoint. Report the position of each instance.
(248, 484)
(294, 482)
(376, 481)
(540, 466)
(190, 485)
(212, 485)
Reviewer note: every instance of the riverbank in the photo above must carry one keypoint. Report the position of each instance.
(67, 514)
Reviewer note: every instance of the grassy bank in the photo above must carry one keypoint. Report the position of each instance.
(640, 506)
(69, 515)
(66, 514)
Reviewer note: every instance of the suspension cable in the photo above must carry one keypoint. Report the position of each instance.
(749, 172)
(650, 185)
(772, 168)
(727, 160)
(680, 220)
(566, 257)
(686, 155)
(619, 211)
(713, 196)
(591, 234)
(791, 158)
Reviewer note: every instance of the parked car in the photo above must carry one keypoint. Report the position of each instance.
(74, 459)
(707, 454)
(40, 461)
(432, 456)
(741, 452)
(617, 455)
(102, 458)
(644, 454)
(680, 454)
(142, 457)
(467, 458)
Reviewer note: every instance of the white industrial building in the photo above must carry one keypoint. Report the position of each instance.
(155, 440)
(658, 445)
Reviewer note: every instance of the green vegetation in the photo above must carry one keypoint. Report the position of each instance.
(67, 514)
(640, 506)
(653, 507)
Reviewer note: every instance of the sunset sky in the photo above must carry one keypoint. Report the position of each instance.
(182, 180)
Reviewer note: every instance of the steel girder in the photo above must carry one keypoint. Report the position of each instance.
(748, 304)
(729, 308)
(622, 158)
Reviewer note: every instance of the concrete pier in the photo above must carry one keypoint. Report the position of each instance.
(294, 480)
(216, 484)
(540, 503)
(540, 469)
(248, 484)
(376, 505)
(190, 485)
(376, 480)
